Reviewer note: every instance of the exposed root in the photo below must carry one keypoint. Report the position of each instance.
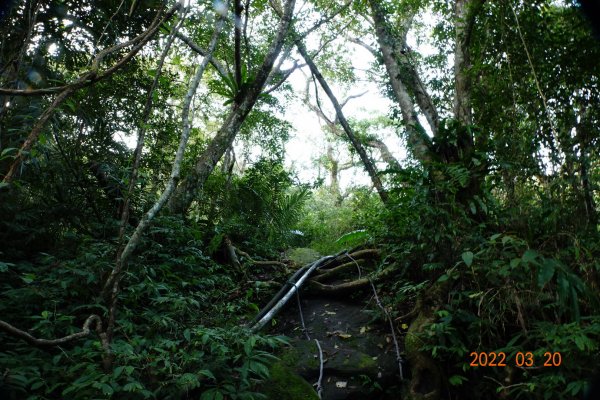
(260, 262)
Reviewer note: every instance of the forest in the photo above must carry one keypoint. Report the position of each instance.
(299, 199)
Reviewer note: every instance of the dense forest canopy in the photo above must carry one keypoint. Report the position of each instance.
(149, 209)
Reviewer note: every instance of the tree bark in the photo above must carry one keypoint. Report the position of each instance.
(418, 140)
(464, 14)
(191, 184)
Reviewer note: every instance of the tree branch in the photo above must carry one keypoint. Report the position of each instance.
(368, 164)
(85, 80)
(85, 331)
(221, 69)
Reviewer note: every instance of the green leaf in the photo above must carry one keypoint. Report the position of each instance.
(4, 266)
(546, 272)
(6, 151)
(132, 387)
(467, 257)
(353, 238)
(472, 208)
(187, 334)
(207, 373)
(107, 389)
(457, 380)
(37, 385)
(529, 256)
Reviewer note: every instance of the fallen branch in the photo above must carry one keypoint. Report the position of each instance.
(85, 331)
(342, 288)
(330, 273)
(365, 253)
(319, 382)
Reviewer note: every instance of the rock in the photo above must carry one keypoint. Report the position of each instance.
(284, 384)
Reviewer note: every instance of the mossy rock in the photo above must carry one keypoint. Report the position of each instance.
(303, 255)
(303, 359)
(284, 384)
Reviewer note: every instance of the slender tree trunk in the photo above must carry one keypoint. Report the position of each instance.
(192, 184)
(368, 164)
(111, 287)
(417, 138)
(462, 86)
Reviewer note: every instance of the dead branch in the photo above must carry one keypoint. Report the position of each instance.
(346, 287)
(85, 331)
(324, 275)
(340, 288)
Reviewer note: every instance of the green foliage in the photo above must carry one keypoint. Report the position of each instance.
(329, 226)
(259, 209)
(169, 341)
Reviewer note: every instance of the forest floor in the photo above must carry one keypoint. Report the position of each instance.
(358, 351)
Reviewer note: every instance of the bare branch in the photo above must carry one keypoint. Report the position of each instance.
(363, 44)
(286, 75)
(354, 96)
(85, 331)
(222, 69)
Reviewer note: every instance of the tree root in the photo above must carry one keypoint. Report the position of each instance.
(260, 262)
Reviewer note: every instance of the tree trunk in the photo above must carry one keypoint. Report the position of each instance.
(368, 164)
(191, 184)
(417, 138)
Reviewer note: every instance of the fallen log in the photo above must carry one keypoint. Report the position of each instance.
(259, 262)
(340, 288)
